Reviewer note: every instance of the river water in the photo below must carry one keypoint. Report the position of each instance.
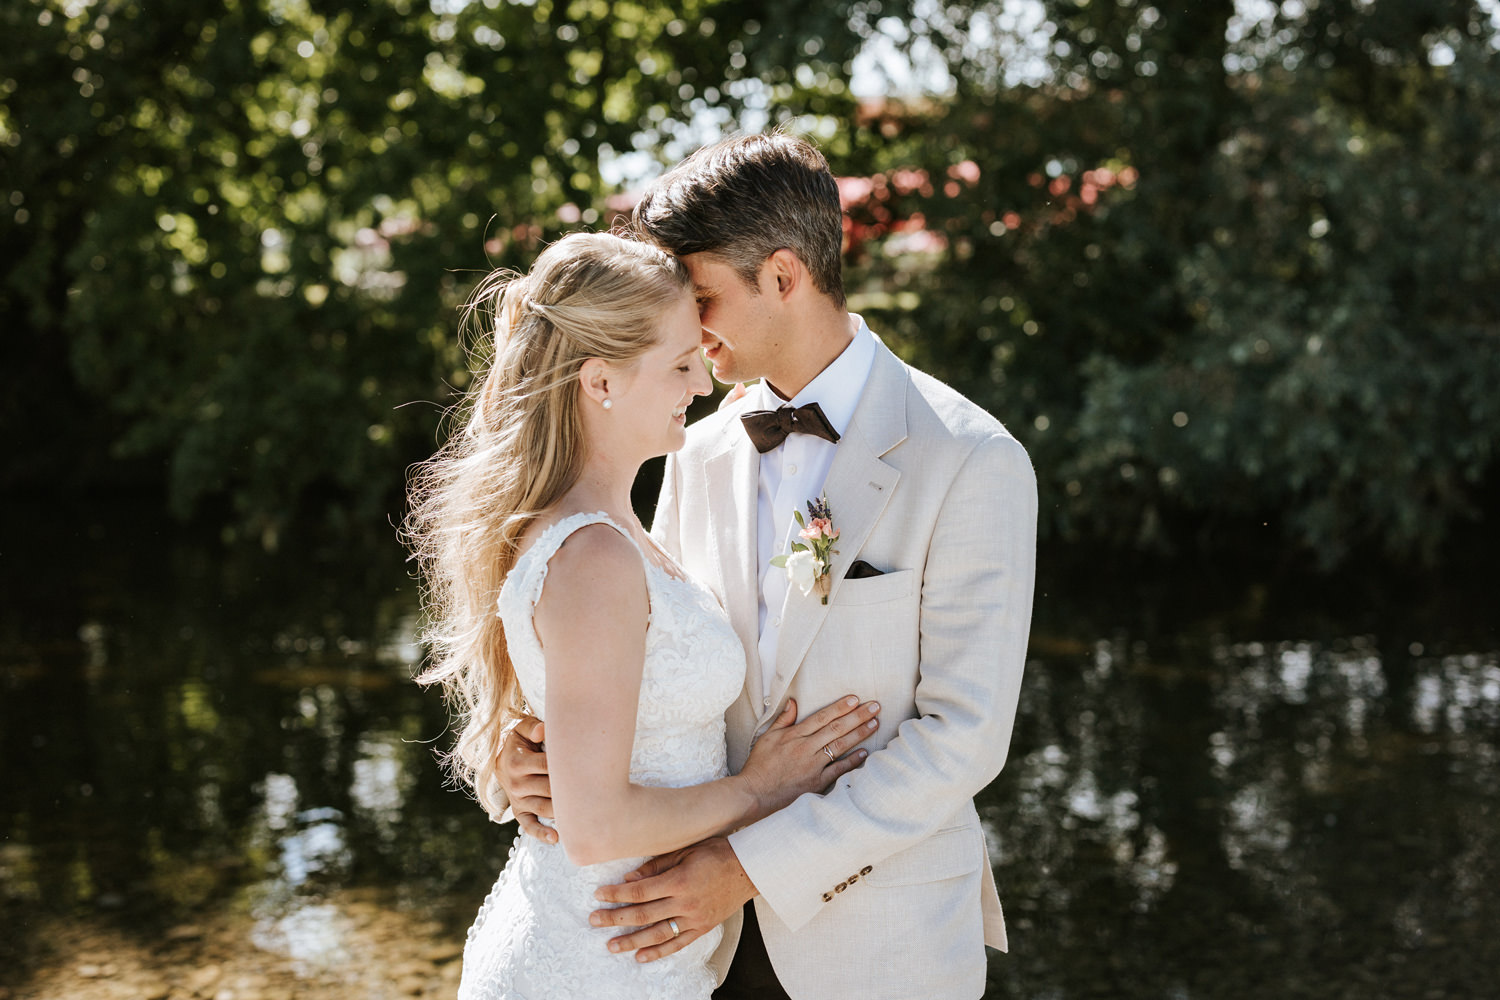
(218, 781)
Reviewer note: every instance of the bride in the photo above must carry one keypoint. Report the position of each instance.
(545, 595)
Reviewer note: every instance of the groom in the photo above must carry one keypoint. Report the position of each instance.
(880, 888)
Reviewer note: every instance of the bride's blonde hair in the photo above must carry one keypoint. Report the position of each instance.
(517, 449)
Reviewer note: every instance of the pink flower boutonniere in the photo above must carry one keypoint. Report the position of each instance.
(808, 564)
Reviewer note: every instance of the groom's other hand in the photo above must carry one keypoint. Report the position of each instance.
(699, 887)
(523, 775)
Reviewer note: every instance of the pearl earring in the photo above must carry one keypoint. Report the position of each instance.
(607, 403)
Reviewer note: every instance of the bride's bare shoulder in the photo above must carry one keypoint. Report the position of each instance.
(596, 572)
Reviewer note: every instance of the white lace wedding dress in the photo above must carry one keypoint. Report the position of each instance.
(532, 939)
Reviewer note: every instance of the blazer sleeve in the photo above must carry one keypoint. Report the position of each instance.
(975, 616)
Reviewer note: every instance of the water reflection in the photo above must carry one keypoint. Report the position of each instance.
(1177, 812)
(1456, 693)
(306, 844)
(312, 935)
(1267, 808)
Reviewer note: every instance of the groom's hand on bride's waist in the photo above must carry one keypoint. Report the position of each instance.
(523, 774)
(696, 888)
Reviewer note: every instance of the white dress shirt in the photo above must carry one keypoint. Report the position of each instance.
(793, 473)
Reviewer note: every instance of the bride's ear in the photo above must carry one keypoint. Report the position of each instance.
(594, 379)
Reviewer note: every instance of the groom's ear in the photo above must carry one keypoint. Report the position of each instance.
(784, 272)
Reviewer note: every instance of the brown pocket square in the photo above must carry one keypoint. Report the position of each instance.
(861, 569)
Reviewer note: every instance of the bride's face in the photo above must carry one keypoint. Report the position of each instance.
(650, 403)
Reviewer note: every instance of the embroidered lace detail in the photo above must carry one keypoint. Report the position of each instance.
(532, 939)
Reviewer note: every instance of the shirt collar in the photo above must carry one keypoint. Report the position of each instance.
(837, 388)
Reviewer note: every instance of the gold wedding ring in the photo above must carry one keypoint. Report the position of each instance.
(829, 752)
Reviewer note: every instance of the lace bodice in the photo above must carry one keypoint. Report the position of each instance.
(679, 729)
(532, 938)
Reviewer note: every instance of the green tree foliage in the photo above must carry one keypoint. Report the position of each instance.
(244, 228)
(1218, 269)
(1220, 265)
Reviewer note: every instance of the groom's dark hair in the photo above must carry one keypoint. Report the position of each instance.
(744, 198)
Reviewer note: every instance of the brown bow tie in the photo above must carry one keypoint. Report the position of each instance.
(768, 428)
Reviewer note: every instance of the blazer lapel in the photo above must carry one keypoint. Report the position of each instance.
(732, 484)
(858, 487)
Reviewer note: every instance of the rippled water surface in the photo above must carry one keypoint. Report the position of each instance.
(1228, 803)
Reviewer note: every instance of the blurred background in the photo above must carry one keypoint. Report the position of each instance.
(1229, 270)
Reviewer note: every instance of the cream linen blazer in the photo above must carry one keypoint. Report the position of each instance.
(881, 888)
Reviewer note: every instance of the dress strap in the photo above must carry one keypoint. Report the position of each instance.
(532, 566)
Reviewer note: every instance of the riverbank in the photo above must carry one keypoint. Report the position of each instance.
(348, 944)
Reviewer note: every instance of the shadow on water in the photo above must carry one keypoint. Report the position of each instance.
(1240, 793)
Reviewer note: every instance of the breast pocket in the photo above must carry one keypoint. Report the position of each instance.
(876, 589)
(869, 643)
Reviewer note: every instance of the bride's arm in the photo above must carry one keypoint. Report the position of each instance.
(591, 619)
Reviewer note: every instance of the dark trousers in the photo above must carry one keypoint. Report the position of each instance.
(750, 974)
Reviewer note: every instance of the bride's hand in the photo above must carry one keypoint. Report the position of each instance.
(733, 395)
(794, 757)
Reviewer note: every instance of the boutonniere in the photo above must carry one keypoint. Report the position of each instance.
(808, 564)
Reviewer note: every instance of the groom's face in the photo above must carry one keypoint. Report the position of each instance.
(740, 336)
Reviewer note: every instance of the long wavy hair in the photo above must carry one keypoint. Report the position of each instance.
(516, 449)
